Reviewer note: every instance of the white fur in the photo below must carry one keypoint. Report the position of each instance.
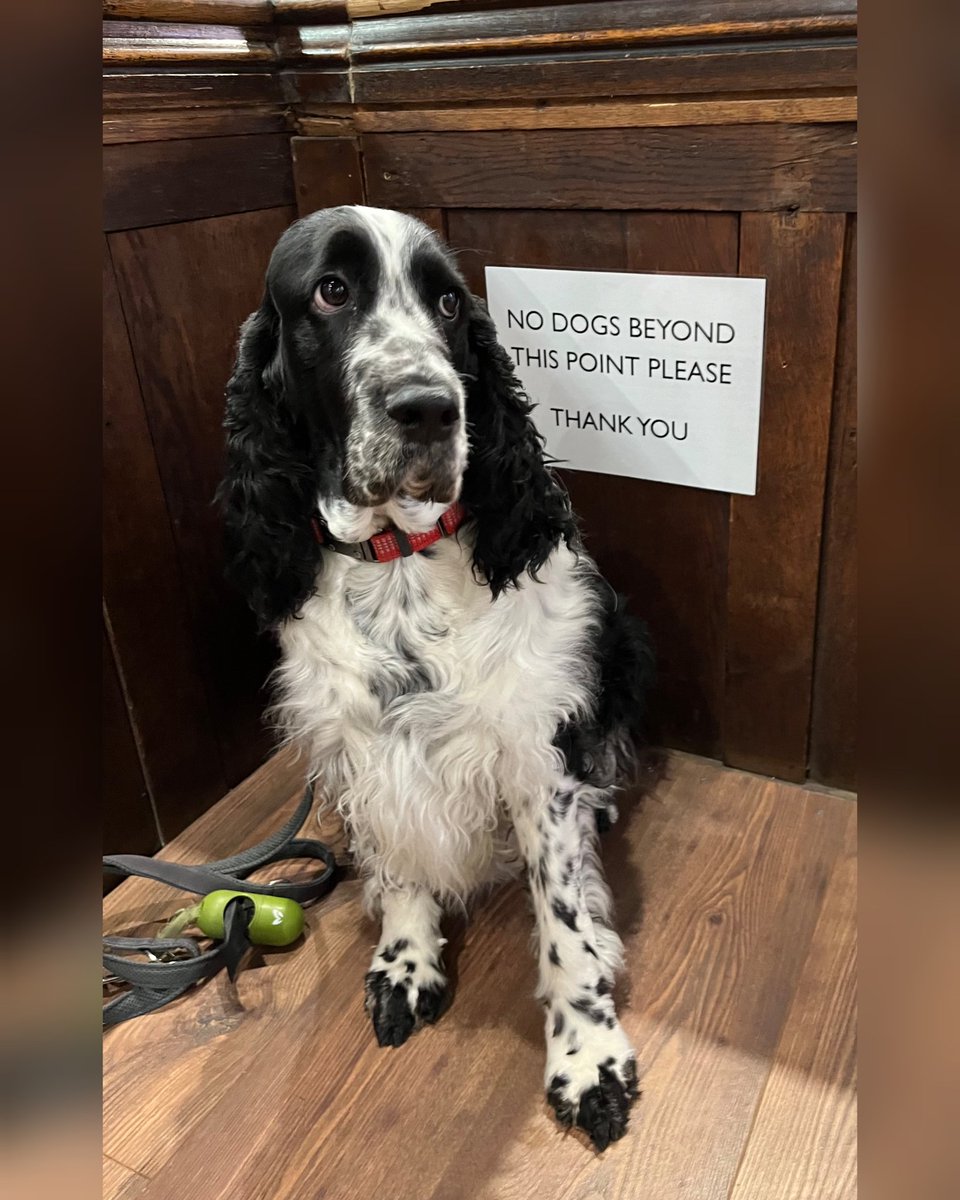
(425, 780)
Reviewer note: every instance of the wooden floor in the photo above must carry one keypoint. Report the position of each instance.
(736, 898)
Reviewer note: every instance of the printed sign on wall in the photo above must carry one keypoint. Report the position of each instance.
(649, 376)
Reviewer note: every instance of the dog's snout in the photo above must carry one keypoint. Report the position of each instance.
(424, 414)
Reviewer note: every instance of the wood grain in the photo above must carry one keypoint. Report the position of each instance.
(170, 124)
(326, 171)
(140, 44)
(599, 25)
(775, 536)
(187, 90)
(381, 8)
(157, 183)
(311, 11)
(129, 824)
(146, 606)
(750, 67)
(216, 12)
(186, 289)
(719, 168)
(120, 1183)
(610, 114)
(803, 1142)
(276, 1088)
(833, 728)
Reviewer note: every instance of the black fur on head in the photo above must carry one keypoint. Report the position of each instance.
(272, 480)
(521, 511)
(313, 389)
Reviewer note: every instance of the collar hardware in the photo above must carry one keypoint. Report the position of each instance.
(392, 543)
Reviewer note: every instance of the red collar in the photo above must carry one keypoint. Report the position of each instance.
(393, 543)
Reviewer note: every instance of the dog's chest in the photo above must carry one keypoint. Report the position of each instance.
(421, 636)
(427, 705)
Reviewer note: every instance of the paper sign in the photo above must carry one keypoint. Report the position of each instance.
(649, 376)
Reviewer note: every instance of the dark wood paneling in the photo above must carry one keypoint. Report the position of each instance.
(604, 25)
(143, 43)
(664, 547)
(187, 90)
(217, 12)
(306, 88)
(170, 124)
(727, 168)
(326, 171)
(629, 113)
(129, 826)
(748, 67)
(775, 535)
(186, 289)
(833, 732)
(144, 598)
(680, 535)
(155, 183)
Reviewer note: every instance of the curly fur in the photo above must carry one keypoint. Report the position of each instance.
(470, 708)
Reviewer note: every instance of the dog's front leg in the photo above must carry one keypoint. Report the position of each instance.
(405, 986)
(591, 1073)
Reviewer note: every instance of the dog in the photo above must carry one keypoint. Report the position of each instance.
(468, 688)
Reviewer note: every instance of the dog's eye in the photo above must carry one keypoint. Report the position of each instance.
(332, 293)
(449, 305)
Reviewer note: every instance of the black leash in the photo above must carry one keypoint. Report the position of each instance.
(178, 963)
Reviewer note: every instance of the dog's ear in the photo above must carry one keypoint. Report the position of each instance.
(521, 511)
(270, 490)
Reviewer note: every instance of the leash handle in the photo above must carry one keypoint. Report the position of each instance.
(156, 983)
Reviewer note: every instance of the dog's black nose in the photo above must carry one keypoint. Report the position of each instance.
(424, 415)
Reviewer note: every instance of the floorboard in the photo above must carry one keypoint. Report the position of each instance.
(734, 896)
(803, 1142)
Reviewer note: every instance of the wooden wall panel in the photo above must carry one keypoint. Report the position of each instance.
(680, 534)
(144, 599)
(664, 547)
(152, 183)
(720, 168)
(186, 289)
(327, 171)
(655, 72)
(775, 535)
(833, 731)
(129, 825)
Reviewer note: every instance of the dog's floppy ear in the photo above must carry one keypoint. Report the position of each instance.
(270, 489)
(521, 511)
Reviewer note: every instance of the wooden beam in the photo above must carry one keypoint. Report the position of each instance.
(612, 114)
(717, 168)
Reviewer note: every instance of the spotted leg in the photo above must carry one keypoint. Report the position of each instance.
(591, 1073)
(405, 986)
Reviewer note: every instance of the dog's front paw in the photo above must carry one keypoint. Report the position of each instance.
(592, 1080)
(401, 994)
(601, 1110)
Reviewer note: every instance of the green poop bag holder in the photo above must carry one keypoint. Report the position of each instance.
(236, 914)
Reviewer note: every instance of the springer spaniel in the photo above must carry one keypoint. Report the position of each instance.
(467, 685)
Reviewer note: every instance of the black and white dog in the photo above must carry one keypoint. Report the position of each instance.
(466, 685)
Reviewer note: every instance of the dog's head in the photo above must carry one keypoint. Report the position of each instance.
(370, 389)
